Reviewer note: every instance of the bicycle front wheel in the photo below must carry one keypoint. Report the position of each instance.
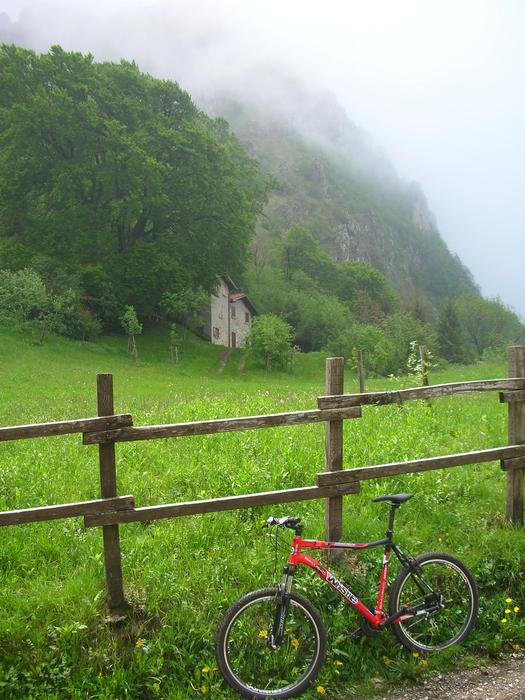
(250, 665)
(443, 593)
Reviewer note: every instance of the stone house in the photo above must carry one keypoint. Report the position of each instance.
(230, 316)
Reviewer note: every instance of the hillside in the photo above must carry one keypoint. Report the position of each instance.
(333, 181)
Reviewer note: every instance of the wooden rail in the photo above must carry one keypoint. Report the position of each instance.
(420, 465)
(214, 505)
(65, 427)
(68, 510)
(382, 398)
(221, 425)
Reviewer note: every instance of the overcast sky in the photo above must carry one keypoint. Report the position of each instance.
(439, 84)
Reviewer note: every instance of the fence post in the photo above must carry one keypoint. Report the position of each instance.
(108, 488)
(361, 371)
(516, 437)
(334, 452)
(423, 357)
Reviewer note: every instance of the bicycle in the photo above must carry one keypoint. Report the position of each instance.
(271, 643)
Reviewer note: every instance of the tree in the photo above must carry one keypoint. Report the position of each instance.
(132, 327)
(450, 335)
(488, 323)
(117, 171)
(175, 342)
(22, 294)
(186, 307)
(270, 339)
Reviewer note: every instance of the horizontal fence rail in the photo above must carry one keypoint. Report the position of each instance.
(65, 427)
(214, 505)
(382, 398)
(421, 465)
(221, 425)
(67, 510)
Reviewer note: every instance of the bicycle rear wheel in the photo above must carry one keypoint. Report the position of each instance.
(443, 592)
(250, 665)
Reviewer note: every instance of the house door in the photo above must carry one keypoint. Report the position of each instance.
(234, 340)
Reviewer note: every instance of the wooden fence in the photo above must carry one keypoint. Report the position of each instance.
(111, 510)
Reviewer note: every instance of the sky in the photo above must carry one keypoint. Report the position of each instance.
(438, 84)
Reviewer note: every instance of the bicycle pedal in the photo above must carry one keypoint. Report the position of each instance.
(356, 635)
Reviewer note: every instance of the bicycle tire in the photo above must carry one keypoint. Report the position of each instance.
(442, 625)
(246, 661)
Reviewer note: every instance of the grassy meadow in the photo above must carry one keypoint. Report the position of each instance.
(181, 574)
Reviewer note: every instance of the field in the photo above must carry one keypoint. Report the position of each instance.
(181, 574)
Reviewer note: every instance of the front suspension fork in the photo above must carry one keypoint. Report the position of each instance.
(275, 638)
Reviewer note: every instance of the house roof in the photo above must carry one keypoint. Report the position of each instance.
(235, 293)
(238, 296)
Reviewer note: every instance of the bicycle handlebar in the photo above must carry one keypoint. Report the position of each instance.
(288, 521)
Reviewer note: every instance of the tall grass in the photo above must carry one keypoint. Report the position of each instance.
(180, 574)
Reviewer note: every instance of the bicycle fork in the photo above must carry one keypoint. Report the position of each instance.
(275, 638)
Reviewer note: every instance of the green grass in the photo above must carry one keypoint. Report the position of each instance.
(181, 574)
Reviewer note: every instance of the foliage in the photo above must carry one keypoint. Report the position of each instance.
(488, 323)
(186, 306)
(450, 334)
(270, 339)
(175, 342)
(120, 179)
(22, 294)
(132, 327)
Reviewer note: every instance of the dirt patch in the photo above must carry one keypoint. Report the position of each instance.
(501, 681)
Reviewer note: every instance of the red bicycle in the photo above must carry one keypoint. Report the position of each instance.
(272, 642)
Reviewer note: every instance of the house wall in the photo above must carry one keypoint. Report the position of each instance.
(219, 316)
(238, 323)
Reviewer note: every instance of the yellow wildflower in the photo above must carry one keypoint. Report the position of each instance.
(423, 662)
(507, 611)
(203, 689)
(504, 621)
(139, 643)
(386, 661)
(415, 654)
(206, 669)
(321, 690)
(263, 633)
(295, 643)
(338, 663)
(508, 600)
(516, 609)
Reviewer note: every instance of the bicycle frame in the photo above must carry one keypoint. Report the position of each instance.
(377, 618)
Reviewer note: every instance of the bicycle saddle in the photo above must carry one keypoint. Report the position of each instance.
(398, 498)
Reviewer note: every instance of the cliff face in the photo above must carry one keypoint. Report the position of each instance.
(333, 181)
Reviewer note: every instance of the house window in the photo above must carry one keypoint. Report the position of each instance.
(233, 312)
(216, 333)
(247, 316)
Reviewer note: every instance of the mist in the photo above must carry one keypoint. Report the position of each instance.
(438, 86)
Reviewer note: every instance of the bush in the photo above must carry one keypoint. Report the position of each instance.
(270, 339)
(22, 295)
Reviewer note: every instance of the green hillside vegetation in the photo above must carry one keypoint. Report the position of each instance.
(114, 184)
(181, 574)
(118, 196)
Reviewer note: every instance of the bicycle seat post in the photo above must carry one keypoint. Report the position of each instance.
(390, 531)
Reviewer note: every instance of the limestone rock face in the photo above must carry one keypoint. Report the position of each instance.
(331, 179)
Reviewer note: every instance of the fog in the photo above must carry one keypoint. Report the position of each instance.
(439, 86)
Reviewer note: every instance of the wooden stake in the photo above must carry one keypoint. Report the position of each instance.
(361, 371)
(516, 436)
(334, 452)
(108, 489)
